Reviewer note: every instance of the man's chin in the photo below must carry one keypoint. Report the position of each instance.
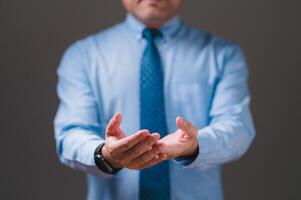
(152, 15)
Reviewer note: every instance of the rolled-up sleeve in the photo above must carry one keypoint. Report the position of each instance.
(231, 130)
(77, 125)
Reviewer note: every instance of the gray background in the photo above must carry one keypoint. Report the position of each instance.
(34, 34)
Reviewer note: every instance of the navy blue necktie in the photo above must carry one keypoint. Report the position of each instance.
(154, 183)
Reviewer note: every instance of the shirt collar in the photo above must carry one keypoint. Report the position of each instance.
(168, 30)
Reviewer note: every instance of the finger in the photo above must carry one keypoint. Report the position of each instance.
(147, 156)
(154, 161)
(114, 124)
(185, 126)
(130, 141)
(141, 147)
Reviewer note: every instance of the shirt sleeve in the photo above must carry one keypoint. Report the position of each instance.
(76, 124)
(231, 130)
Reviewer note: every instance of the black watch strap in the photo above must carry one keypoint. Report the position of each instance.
(101, 163)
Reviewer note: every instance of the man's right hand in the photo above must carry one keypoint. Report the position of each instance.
(137, 151)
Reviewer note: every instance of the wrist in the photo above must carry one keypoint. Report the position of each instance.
(192, 152)
(107, 156)
(188, 159)
(102, 163)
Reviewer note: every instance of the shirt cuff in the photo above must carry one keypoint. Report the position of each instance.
(204, 145)
(187, 160)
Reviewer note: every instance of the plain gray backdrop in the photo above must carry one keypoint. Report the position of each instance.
(35, 33)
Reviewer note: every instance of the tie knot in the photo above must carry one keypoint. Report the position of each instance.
(150, 33)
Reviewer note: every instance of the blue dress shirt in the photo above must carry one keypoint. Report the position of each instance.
(205, 81)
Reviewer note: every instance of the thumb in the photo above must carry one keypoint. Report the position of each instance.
(113, 126)
(186, 126)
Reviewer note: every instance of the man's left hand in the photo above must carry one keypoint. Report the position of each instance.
(181, 143)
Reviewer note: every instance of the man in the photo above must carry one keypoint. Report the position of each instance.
(152, 108)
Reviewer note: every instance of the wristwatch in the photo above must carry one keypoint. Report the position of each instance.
(101, 163)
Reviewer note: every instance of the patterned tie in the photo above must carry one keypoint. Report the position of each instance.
(154, 181)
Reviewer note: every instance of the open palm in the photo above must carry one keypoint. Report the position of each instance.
(183, 142)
